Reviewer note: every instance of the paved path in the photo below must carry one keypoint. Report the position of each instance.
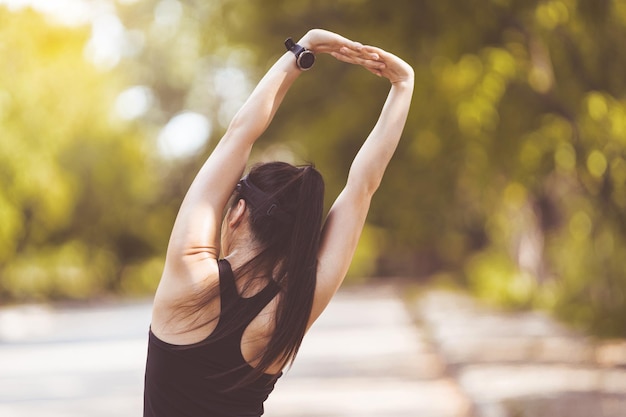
(369, 356)
(523, 364)
(73, 362)
(362, 358)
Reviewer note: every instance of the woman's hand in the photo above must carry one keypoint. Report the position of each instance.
(385, 65)
(375, 60)
(324, 41)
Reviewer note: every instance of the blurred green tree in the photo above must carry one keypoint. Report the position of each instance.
(511, 177)
(77, 186)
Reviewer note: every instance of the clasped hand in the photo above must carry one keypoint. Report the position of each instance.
(375, 60)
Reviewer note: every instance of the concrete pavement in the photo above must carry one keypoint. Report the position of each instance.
(362, 358)
(523, 364)
(72, 362)
(371, 354)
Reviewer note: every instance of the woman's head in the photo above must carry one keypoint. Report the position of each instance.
(284, 202)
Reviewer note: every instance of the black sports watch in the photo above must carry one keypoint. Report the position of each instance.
(304, 58)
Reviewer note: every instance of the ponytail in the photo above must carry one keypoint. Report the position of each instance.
(301, 264)
(291, 240)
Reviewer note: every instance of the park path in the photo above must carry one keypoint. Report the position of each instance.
(523, 364)
(365, 357)
(362, 358)
(371, 354)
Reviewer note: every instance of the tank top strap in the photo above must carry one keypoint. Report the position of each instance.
(230, 295)
(258, 302)
(228, 289)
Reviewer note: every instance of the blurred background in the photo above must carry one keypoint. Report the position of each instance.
(510, 180)
(509, 183)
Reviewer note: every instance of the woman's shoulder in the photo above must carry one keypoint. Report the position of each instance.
(181, 282)
(187, 274)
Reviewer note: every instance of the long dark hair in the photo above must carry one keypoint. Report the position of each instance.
(289, 239)
(290, 242)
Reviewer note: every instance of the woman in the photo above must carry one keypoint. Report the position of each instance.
(224, 328)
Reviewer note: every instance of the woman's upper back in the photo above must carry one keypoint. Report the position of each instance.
(205, 377)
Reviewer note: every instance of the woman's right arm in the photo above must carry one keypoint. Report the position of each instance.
(346, 218)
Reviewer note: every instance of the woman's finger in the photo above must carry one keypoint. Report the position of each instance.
(360, 53)
(371, 65)
(361, 57)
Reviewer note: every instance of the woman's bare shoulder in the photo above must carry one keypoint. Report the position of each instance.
(182, 286)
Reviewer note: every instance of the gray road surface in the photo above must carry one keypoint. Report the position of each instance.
(362, 358)
(523, 364)
(365, 357)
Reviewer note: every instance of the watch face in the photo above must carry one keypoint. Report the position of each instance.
(306, 60)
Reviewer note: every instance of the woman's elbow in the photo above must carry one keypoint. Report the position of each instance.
(364, 185)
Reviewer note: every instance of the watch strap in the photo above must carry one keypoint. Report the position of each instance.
(294, 47)
(304, 57)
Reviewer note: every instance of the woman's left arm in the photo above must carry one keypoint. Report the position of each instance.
(347, 215)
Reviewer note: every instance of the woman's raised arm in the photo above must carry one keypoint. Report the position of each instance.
(347, 216)
(196, 233)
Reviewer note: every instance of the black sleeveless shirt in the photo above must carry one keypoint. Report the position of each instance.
(190, 380)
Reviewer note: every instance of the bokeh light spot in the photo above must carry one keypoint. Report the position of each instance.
(565, 157)
(184, 135)
(596, 163)
(580, 225)
(597, 106)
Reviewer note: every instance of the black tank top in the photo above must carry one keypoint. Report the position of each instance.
(190, 380)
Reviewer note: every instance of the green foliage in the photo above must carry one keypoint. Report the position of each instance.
(511, 173)
(75, 184)
(512, 167)
(493, 275)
